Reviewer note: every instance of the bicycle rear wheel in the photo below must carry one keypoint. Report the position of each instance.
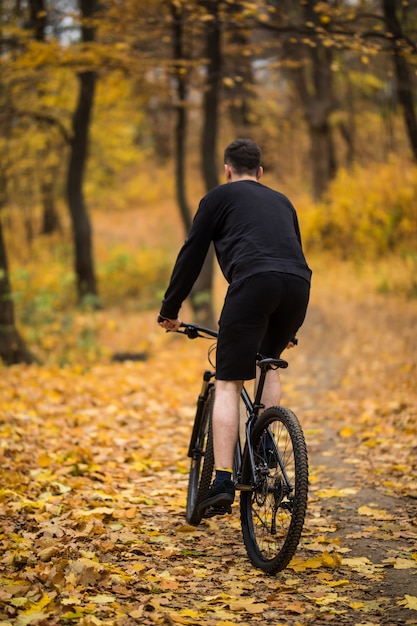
(273, 512)
(202, 462)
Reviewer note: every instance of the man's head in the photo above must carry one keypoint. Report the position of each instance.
(242, 159)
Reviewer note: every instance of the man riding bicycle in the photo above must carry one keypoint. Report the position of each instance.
(257, 240)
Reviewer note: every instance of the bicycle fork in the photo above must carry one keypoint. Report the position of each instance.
(201, 403)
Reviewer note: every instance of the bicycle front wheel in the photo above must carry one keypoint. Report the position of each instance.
(202, 462)
(273, 512)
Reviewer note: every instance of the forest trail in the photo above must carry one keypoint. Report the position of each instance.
(94, 478)
(362, 351)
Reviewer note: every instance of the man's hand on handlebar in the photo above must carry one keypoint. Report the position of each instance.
(168, 324)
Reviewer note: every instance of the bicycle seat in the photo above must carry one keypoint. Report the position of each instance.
(272, 364)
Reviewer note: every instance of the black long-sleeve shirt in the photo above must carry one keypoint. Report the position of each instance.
(254, 229)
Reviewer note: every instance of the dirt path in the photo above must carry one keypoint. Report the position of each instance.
(360, 420)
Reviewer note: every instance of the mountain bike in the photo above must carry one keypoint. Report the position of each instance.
(270, 470)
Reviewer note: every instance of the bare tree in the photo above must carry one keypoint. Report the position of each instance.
(177, 12)
(81, 225)
(50, 221)
(403, 73)
(202, 294)
(313, 83)
(12, 347)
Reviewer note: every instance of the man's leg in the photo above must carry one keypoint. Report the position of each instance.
(221, 494)
(226, 421)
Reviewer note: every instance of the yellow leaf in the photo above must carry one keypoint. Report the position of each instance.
(185, 528)
(346, 432)
(36, 608)
(129, 513)
(329, 598)
(400, 563)
(100, 510)
(409, 602)
(337, 583)
(257, 608)
(102, 598)
(189, 613)
(301, 566)
(362, 565)
(375, 513)
(71, 600)
(248, 605)
(138, 567)
(356, 605)
(336, 493)
(178, 619)
(331, 559)
(228, 82)
(43, 460)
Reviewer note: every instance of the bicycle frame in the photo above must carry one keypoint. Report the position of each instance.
(252, 408)
(270, 471)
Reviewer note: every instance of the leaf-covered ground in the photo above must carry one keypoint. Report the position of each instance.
(94, 477)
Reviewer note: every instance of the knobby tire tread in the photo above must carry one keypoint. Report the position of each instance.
(288, 546)
(201, 469)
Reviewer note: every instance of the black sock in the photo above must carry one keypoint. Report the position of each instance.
(221, 476)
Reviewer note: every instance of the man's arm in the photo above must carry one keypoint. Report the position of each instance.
(189, 263)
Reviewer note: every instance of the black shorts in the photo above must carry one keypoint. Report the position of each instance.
(261, 314)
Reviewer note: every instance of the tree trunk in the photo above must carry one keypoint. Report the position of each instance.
(50, 219)
(239, 92)
(211, 97)
(202, 295)
(316, 97)
(82, 232)
(12, 347)
(38, 18)
(403, 73)
(181, 115)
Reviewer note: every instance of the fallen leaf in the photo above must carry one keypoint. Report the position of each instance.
(409, 602)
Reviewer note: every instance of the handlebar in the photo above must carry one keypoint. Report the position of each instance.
(194, 330)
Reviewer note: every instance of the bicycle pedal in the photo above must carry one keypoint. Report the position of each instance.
(243, 487)
(212, 511)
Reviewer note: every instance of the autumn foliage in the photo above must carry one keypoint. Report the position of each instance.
(93, 439)
(368, 213)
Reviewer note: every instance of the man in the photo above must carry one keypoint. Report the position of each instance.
(257, 240)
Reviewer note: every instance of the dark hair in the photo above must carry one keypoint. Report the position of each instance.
(244, 156)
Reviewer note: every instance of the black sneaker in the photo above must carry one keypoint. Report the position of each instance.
(219, 500)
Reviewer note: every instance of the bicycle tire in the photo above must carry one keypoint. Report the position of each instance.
(202, 463)
(272, 516)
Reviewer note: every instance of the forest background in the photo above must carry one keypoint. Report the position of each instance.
(122, 109)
